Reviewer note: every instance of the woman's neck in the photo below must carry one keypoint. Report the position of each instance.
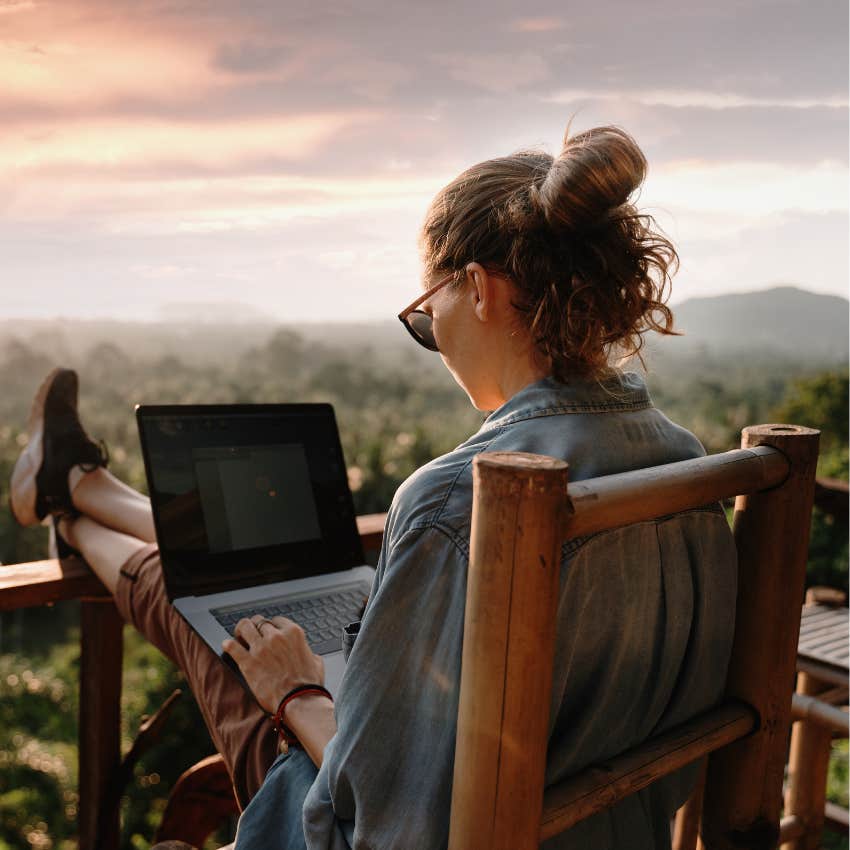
(518, 373)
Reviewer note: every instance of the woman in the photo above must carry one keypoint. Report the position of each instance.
(538, 272)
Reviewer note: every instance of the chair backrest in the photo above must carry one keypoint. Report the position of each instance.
(523, 511)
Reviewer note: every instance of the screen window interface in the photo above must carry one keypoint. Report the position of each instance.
(254, 496)
(225, 485)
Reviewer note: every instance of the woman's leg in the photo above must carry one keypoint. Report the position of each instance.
(130, 568)
(116, 536)
(101, 496)
(104, 549)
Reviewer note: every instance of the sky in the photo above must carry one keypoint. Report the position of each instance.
(276, 158)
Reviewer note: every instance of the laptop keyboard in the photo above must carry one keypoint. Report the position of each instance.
(322, 617)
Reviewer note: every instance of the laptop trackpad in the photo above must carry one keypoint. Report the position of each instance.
(334, 668)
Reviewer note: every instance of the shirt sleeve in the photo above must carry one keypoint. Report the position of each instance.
(386, 777)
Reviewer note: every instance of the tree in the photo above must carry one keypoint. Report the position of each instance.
(821, 402)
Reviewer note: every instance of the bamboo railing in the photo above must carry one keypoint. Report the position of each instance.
(519, 506)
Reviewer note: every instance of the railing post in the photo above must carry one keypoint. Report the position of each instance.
(519, 502)
(808, 764)
(101, 650)
(686, 829)
(743, 794)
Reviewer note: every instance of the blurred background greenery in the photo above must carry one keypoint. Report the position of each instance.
(397, 407)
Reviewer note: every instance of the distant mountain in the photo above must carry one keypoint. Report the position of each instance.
(783, 323)
(785, 320)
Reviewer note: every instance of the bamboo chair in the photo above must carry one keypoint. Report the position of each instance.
(523, 510)
(520, 500)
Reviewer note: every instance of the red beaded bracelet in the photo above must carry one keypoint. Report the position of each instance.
(287, 736)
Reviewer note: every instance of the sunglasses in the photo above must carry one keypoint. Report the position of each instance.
(419, 324)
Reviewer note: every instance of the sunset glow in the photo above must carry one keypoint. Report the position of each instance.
(152, 152)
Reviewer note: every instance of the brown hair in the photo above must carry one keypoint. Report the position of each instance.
(591, 273)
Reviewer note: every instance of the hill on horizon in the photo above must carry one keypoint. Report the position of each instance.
(783, 319)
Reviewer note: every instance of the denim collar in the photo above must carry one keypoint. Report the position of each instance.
(620, 391)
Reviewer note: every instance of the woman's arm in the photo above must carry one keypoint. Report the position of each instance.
(274, 657)
(312, 720)
(386, 776)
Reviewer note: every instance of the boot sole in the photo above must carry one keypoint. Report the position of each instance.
(23, 491)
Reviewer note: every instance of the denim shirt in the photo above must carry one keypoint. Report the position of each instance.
(644, 631)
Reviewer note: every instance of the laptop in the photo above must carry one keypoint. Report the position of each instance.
(253, 515)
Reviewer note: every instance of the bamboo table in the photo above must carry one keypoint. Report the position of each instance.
(823, 653)
(824, 650)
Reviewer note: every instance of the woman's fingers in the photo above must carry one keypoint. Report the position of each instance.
(274, 657)
(252, 632)
(285, 625)
(246, 630)
(259, 620)
(235, 650)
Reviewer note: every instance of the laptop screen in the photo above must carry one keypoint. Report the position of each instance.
(247, 494)
(253, 496)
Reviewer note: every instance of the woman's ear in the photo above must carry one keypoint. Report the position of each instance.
(481, 290)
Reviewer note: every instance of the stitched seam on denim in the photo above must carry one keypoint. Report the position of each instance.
(560, 410)
(441, 507)
(457, 540)
(571, 546)
(460, 542)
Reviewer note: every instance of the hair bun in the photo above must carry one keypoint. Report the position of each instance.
(595, 173)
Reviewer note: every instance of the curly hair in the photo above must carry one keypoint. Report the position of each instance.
(591, 273)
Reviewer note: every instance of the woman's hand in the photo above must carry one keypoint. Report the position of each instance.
(274, 657)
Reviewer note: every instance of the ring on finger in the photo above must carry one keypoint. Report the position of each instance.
(259, 625)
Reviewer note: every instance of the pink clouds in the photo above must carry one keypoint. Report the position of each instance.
(537, 24)
(242, 142)
(82, 56)
(116, 144)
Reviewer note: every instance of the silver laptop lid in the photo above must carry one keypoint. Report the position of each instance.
(247, 494)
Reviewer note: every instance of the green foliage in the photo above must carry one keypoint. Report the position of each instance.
(397, 408)
(821, 401)
(836, 792)
(38, 723)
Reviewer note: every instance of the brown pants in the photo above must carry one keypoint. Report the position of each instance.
(239, 727)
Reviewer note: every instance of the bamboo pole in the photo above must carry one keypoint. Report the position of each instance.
(832, 696)
(831, 674)
(791, 827)
(743, 795)
(836, 818)
(817, 710)
(610, 501)
(508, 649)
(686, 828)
(602, 785)
(808, 764)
